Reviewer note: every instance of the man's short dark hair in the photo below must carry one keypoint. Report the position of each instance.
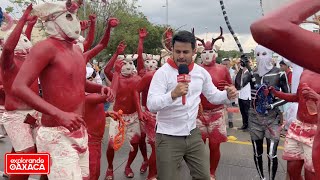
(282, 63)
(185, 36)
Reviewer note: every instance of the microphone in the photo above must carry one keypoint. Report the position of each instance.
(183, 77)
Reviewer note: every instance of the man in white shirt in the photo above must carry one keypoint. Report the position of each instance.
(227, 63)
(244, 95)
(177, 137)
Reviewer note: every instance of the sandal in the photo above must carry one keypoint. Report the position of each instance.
(109, 174)
(128, 172)
(144, 167)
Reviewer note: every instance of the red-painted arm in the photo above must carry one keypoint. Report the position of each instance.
(95, 98)
(285, 96)
(107, 70)
(112, 22)
(140, 62)
(115, 79)
(280, 32)
(7, 55)
(90, 37)
(30, 26)
(142, 84)
(92, 87)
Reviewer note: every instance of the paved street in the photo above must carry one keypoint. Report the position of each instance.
(236, 159)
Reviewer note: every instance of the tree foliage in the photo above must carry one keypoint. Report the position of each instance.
(232, 54)
(131, 20)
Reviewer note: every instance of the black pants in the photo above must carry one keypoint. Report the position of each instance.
(244, 109)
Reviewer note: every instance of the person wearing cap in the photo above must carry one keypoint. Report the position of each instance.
(60, 66)
(284, 67)
(177, 136)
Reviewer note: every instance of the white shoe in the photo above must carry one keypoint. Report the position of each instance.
(2, 136)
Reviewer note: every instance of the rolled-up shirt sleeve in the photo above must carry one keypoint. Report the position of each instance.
(212, 93)
(159, 96)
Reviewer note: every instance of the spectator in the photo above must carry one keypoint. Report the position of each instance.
(227, 63)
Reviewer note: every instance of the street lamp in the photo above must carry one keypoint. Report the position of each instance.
(167, 12)
(206, 32)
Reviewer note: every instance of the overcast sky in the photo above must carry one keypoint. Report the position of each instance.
(205, 16)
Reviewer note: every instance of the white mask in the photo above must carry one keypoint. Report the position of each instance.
(207, 56)
(127, 68)
(24, 44)
(69, 24)
(264, 60)
(70, 27)
(151, 64)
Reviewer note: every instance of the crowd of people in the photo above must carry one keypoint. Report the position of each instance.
(54, 100)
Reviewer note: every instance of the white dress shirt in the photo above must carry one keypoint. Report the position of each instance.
(173, 118)
(245, 92)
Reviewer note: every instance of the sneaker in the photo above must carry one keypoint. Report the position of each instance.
(230, 124)
(2, 136)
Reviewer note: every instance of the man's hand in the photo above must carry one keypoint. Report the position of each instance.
(113, 22)
(244, 62)
(118, 66)
(70, 120)
(180, 90)
(143, 33)
(272, 89)
(32, 20)
(222, 84)
(310, 94)
(27, 12)
(92, 18)
(84, 24)
(142, 116)
(107, 91)
(121, 47)
(231, 92)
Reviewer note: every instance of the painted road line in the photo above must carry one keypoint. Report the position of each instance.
(249, 143)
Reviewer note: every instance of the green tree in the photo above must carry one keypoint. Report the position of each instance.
(131, 20)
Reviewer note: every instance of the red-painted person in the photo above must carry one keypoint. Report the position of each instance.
(60, 66)
(301, 133)
(212, 122)
(124, 101)
(146, 69)
(94, 117)
(14, 52)
(281, 27)
(147, 119)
